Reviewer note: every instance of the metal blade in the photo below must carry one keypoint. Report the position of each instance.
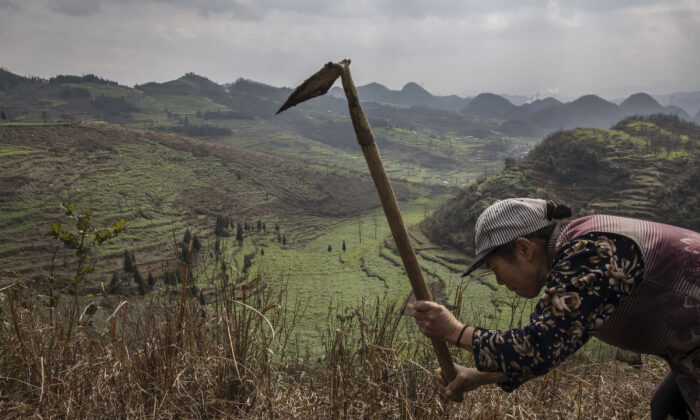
(314, 86)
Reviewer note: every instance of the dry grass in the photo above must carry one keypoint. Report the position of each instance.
(177, 358)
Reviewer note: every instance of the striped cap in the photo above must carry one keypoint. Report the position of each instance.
(505, 221)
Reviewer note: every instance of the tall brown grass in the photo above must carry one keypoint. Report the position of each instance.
(177, 356)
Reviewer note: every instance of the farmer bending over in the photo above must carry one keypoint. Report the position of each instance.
(631, 283)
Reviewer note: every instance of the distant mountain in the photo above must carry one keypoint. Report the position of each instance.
(411, 95)
(516, 100)
(489, 105)
(525, 110)
(689, 101)
(593, 111)
(586, 111)
(541, 104)
(372, 92)
(415, 94)
(644, 104)
(551, 114)
(677, 111)
(697, 117)
(498, 107)
(641, 104)
(192, 99)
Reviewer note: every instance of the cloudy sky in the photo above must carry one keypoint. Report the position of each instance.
(566, 47)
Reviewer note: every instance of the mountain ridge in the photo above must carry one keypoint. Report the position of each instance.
(411, 94)
(91, 97)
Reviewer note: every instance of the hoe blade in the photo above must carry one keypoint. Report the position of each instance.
(314, 86)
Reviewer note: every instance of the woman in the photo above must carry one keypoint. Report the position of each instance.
(631, 283)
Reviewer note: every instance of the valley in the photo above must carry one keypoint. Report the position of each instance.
(164, 184)
(173, 158)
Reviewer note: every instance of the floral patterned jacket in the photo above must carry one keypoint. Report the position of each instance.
(631, 283)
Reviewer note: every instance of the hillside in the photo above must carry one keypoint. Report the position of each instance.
(643, 167)
(160, 183)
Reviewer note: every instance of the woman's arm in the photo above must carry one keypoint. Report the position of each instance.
(467, 379)
(589, 278)
(435, 321)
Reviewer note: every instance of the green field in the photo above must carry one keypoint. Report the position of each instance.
(301, 170)
(164, 184)
(320, 196)
(324, 281)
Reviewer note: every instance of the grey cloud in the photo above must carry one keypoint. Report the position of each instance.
(76, 7)
(444, 8)
(236, 9)
(458, 8)
(415, 9)
(259, 9)
(607, 5)
(256, 10)
(10, 4)
(687, 23)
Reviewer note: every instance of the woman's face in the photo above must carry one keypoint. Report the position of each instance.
(524, 274)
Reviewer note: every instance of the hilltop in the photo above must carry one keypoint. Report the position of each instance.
(643, 167)
(641, 104)
(489, 105)
(412, 94)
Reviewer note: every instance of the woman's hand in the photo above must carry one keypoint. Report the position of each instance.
(436, 321)
(467, 379)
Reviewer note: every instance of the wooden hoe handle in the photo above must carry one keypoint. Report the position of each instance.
(391, 210)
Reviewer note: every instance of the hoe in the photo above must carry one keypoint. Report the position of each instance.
(319, 84)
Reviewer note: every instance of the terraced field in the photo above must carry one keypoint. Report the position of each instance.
(160, 183)
(320, 197)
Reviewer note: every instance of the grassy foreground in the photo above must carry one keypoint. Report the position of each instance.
(230, 358)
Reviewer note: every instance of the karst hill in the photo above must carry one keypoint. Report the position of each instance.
(645, 167)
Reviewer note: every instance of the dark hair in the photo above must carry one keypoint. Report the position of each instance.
(557, 210)
(554, 211)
